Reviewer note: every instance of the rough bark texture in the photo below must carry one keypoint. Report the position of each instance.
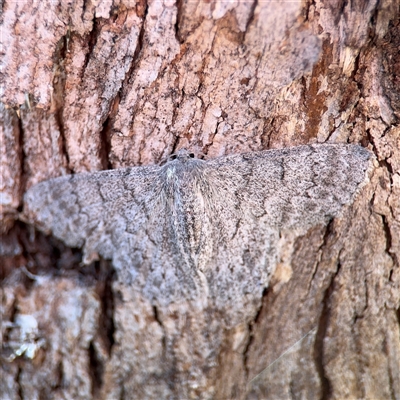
(94, 85)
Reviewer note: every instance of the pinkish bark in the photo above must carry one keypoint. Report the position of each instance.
(105, 84)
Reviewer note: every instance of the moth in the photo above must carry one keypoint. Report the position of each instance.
(195, 229)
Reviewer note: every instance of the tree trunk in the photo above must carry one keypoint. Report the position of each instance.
(96, 85)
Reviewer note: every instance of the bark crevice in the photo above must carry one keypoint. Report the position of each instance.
(322, 328)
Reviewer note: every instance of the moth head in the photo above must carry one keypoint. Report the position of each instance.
(182, 155)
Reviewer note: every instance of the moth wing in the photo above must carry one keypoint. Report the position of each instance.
(119, 215)
(255, 195)
(293, 187)
(92, 210)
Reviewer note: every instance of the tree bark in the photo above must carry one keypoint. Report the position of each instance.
(96, 85)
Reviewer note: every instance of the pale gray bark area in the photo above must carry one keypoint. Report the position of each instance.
(88, 86)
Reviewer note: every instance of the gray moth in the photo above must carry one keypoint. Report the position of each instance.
(194, 229)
